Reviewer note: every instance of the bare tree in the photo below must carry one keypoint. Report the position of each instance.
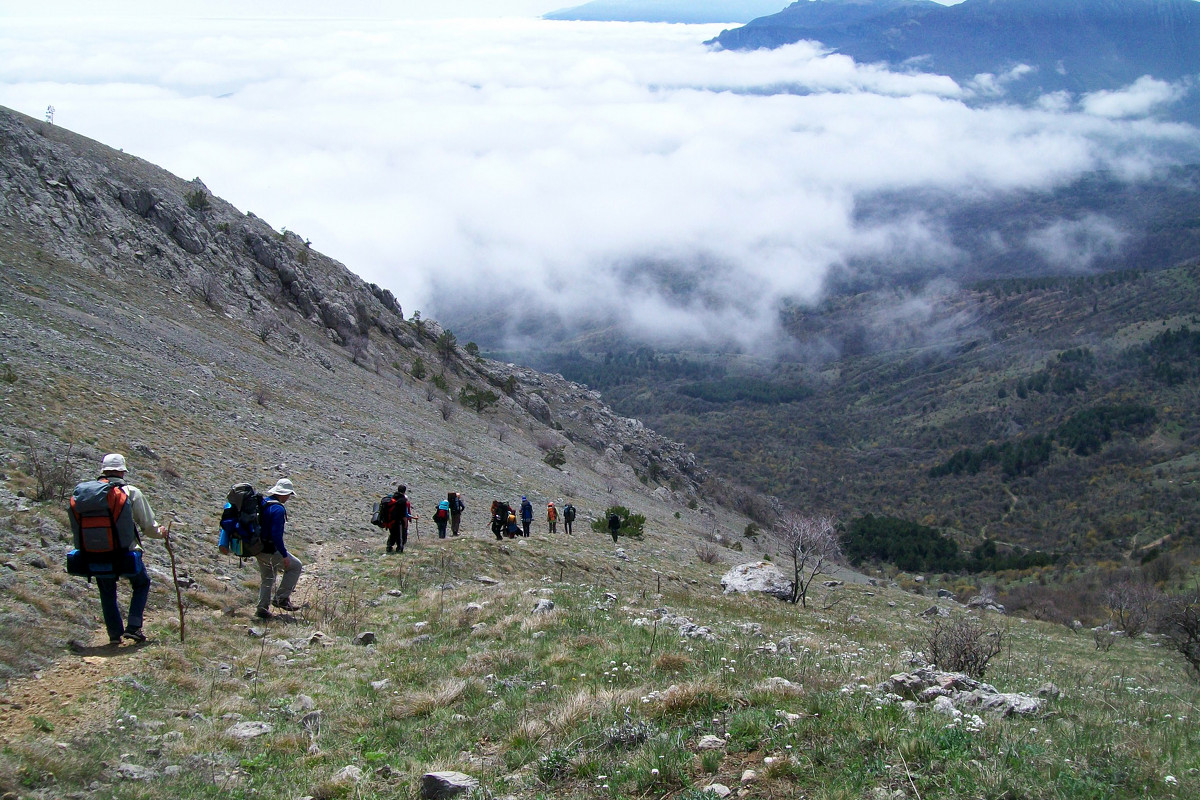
(812, 544)
(1133, 605)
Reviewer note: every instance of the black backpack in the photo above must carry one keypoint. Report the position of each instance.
(242, 519)
(569, 513)
(381, 516)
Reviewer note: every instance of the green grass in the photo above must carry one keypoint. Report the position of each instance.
(563, 704)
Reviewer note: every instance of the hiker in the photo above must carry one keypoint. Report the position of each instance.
(457, 507)
(275, 558)
(552, 516)
(397, 514)
(614, 525)
(499, 518)
(526, 514)
(568, 518)
(111, 537)
(441, 517)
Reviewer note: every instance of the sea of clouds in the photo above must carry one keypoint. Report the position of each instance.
(549, 162)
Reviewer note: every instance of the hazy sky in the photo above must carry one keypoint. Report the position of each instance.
(449, 158)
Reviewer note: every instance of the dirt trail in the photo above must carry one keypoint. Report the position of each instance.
(72, 698)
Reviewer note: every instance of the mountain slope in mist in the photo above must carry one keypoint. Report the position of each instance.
(1032, 47)
(1057, 414)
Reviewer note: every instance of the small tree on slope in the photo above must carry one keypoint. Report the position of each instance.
(812, 544)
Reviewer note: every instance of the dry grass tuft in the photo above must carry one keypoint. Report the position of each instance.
(587, 703)
(419, 704)
(682, 698)
(673, 662)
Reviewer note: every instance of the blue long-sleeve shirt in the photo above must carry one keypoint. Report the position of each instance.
(274, 518)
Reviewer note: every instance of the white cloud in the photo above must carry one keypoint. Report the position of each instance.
(1075, 245)
(1139, 99)
(449, 158)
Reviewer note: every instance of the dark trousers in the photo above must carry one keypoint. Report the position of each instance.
(140, 584)
(397, 537)
(441, 528)
(566, 526)
(525, 524)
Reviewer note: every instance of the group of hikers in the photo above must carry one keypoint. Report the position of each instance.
(107, 513)
(394, 513)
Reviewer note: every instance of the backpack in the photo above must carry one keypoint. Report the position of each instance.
(102, 528)
(381, 515)
(569, 513)
(443, 512)
(242, 520)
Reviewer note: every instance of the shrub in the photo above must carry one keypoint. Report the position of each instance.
(963, 645)
(1133, 606)
(1181, 625)
(556, 457)
(51, 471)
(708, 554)
(632, 525)
(197, 200)
(478, 399)
(439, 381)
(418, 369)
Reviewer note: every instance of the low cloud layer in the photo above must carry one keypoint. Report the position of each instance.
(552, 163)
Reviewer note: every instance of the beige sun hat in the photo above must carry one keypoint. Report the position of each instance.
(113, 462)
(282, 486)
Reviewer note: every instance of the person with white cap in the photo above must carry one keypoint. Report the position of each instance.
(275, 559)
(126, 507)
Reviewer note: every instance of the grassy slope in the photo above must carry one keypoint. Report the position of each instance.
(559, 704)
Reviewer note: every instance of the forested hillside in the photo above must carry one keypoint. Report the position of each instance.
(1056, 414)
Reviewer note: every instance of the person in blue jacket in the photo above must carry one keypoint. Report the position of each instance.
(275, 558)
(526, 514)
(441, 517)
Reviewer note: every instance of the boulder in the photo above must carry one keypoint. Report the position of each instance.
(250, 729)
(543, 606)
(710, 742)
(438, 785)
(761, 576)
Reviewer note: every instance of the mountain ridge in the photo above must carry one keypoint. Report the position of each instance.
(1036, 47)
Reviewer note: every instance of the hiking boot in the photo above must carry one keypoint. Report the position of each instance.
(134, 635)
(262, 613)
(113, 644)
(389, 551)
(286, 605)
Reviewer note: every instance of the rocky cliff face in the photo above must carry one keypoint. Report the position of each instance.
(117, 216)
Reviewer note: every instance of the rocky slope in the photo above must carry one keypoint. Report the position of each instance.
(142, 314)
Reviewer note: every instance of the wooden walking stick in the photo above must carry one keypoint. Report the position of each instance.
(175, 579)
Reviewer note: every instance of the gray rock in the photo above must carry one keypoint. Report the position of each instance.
(710, 742)
(303, 703)
(945, 593)
(719, 789)
(439, 785)
(761, 577)
(935, 611)
(257, 633)
(379, 686)
(486, 581)
(544, 606)
(37, 562)
(132, 772)
(250, 729)
(348, 774)
(365, 638)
